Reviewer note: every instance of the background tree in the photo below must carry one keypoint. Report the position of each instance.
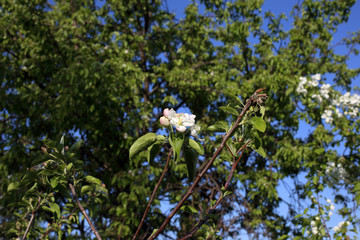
(103, 71)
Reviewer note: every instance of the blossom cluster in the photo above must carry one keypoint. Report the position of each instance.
(335, 173)
(349, 104)
(181, 121)
(341, 225)
(314, 228)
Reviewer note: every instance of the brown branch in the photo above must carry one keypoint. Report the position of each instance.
(153, 194)
(32, 218)
(202, 222)
(84, 212)
(255, 98)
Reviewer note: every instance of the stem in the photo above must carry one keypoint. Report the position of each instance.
(31, 219)
(250, 101)
(235, 164)
(198, 226)
(153, 194)
(84, 212)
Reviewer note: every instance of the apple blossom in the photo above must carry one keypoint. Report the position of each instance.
(181, 120)
(164, 121)
(166, 112)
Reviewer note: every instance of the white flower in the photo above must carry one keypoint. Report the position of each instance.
(330, 214)
(315, 230)
(354, 99)
(312, 223)
(303, 80)
(301, 90)
(313, 83)
(328, 201)
(317, 218)
(324, 90)
(181, 120)
(126, 51)
(327, 116)
(332, 207)
(316, 77)
(317, 97)
(194, 130)
(338, 113)
(336, 229)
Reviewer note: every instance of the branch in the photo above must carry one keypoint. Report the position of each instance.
(255, 98)
(84, 212)
(153, 194)
(198, 226)
(32, 219)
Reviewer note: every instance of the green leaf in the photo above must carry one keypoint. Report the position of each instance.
(258, 123)
(55, 208)
(153, 150)
(178, 142)
(227, 193)
(76, 146)
(62, 144)
(261, 152)
(141, 144)
(230, 110)
(46, 209)
(319, 151)
(93, 180)
(262, 111)
(189, 209)
(220, 126)
(48, 172)
(196, 146)
(54, 182)
(316, 179)
(69, 166)
(85, 189)
(357, 187)
(191, 157)
(154, 231)
(12, 186)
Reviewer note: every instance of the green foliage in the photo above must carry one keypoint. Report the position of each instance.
(101, 72)
(41, 186)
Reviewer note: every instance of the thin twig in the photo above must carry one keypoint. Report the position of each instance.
(203, 221)
(235, 164)
(253, 99)
(153, 194)
(84, 212)
(31, 219)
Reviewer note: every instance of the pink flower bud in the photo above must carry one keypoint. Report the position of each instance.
(166, 112)
(164, 121)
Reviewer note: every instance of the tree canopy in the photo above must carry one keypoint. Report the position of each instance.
(100, 73)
